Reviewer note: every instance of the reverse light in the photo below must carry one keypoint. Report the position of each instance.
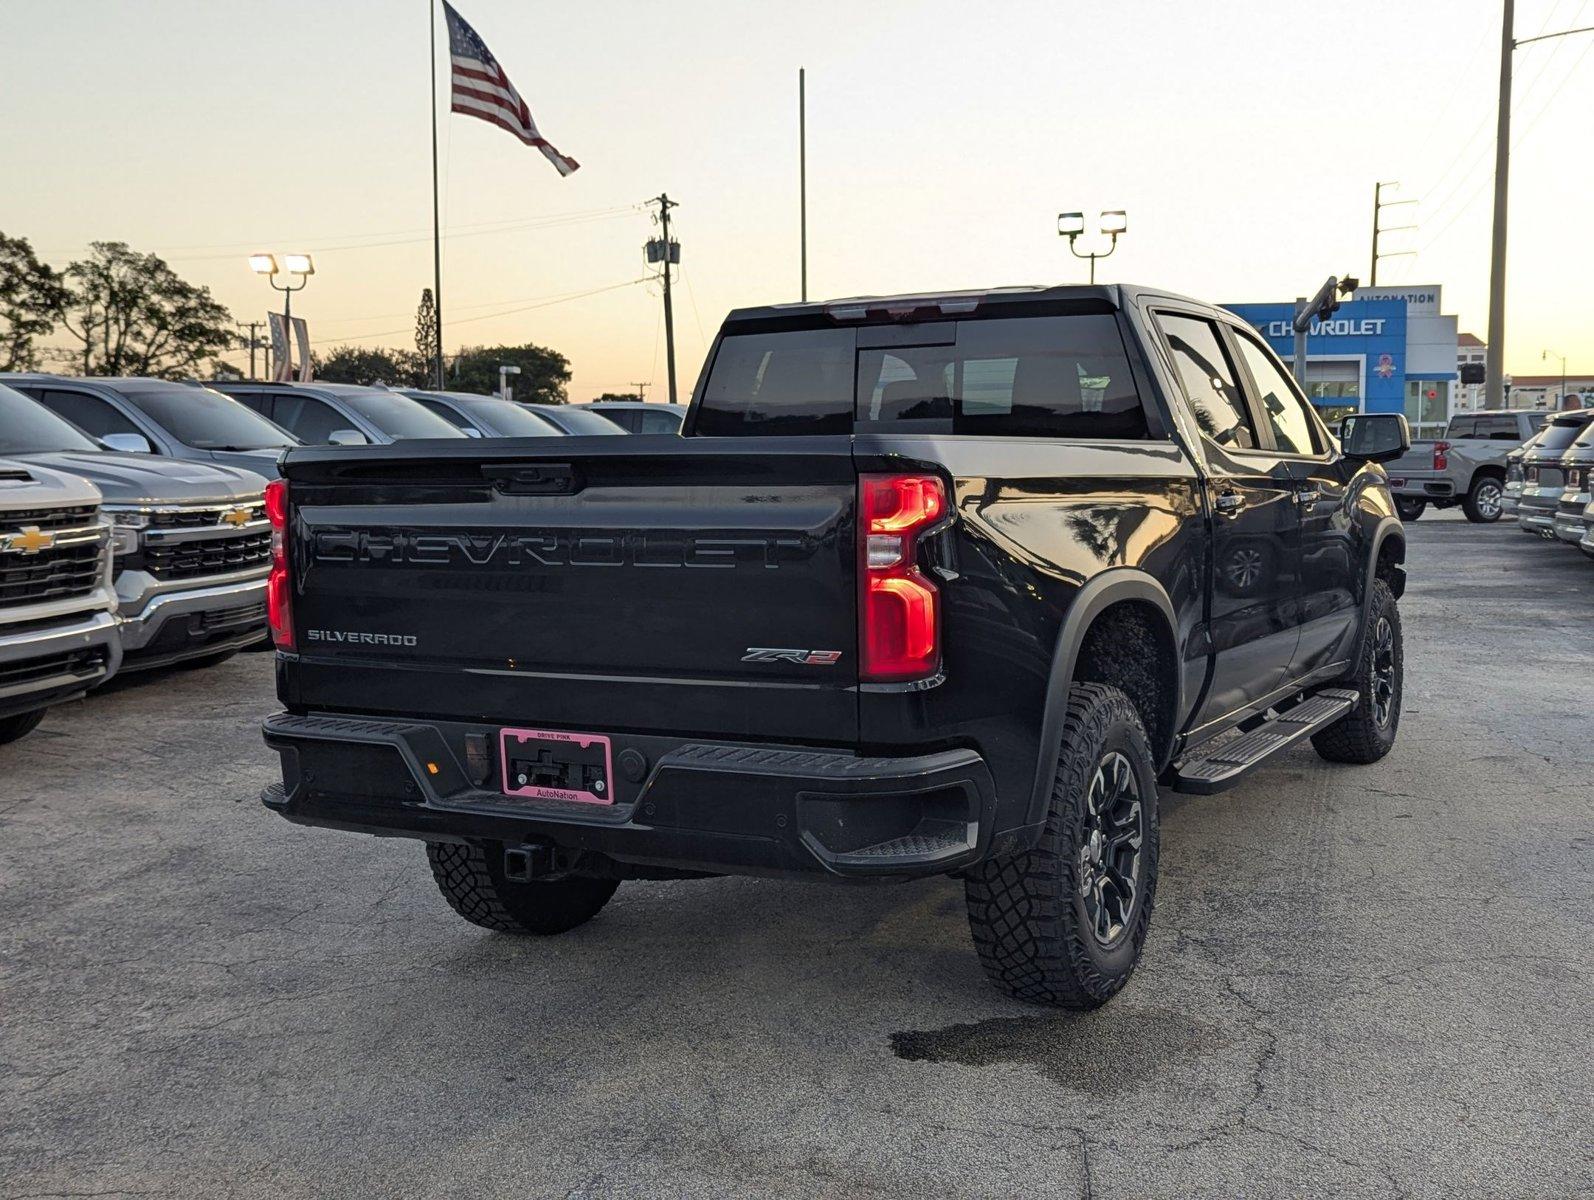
(899, 609)
(1441, 455)
(279, 611)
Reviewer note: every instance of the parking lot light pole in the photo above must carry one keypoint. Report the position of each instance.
(300, 265)
(504, 372)
(1560, 400)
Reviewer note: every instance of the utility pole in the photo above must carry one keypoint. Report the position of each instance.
(254, 342)
(802, 169)
(663, 250)
(1494, 376)
(1379, 204)
(641, 391)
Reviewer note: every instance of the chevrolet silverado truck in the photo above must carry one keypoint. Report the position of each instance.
(930, 585)
(1469, 466)
(190, 543)
(57, 611)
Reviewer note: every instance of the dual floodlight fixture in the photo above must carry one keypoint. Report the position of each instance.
(294, 264)
(1109, 223)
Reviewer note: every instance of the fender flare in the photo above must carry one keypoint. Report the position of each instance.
(1387, 528)
(1098, 593)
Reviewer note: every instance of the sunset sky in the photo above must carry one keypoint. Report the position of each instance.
(1244, 140)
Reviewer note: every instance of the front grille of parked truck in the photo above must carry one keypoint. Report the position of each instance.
(193, 541)
(50, 554)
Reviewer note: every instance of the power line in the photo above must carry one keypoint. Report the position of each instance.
(613, 287)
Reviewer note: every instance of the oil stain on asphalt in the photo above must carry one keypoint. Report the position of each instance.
(1099, 1054)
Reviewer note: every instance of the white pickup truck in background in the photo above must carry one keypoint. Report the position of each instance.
(1466, 467)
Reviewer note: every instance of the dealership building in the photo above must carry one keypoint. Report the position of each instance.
(1388, 349)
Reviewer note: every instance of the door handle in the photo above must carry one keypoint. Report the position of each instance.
(1229, 504)
(1309, 496)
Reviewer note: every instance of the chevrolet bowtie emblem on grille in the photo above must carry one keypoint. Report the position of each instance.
(31, 540)
(235, 517)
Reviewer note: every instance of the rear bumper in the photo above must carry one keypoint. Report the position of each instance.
(716, 807)
(1536, 510)
(1416, 485)
(1568, 520)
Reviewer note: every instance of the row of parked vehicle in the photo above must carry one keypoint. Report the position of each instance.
(1535, 467)
(133, 527)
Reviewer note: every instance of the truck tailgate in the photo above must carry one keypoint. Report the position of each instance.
(581, 584)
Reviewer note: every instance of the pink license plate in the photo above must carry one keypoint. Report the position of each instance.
(547, 764)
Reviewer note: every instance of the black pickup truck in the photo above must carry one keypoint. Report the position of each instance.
(944, 584)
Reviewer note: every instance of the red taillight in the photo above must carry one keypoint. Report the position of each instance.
(1441, 455)
(279, 612)
(899, 609)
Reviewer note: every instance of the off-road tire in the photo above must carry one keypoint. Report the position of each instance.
(1026, 911)
(471, 878)
(1482, 503)
(1358, 736)
(1410, 508)
(20, 725)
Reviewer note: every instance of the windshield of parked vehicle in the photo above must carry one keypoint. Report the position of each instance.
(207, 420)
(509, 419)
(398, 416)
(1060, 376)
(579, 422)
(27, 427)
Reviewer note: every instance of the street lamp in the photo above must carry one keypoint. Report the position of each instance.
(296, 264)
(1111, 223)
(1560, 402)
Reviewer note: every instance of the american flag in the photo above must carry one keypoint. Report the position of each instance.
(481, 89)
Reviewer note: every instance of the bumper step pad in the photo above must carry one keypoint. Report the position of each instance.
(1225, 764)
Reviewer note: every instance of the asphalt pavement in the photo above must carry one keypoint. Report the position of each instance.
(1359, 981)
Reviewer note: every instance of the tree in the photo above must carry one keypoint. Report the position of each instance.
(31, 295)
(426, 330)
(370, 364)
(134, 315)
(627, 396)
(543, 376)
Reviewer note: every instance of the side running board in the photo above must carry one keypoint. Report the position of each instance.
(1223, 764)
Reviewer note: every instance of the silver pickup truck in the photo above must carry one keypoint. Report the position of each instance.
(1467, 466)
(58, 627)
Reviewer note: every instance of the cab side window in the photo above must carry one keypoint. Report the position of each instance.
(309, 419)
(92, 415)
(1294, 431)
(447, 413)
(1209, 379)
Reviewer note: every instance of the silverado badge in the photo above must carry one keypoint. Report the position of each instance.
(30, 540)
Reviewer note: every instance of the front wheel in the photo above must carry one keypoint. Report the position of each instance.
(1410, 507)
(1367, 732)
(1063, 924)
(20, 725)
(471, 878)
(1483, 504)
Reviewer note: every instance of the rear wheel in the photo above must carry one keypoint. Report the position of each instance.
(1410, 507)
(1063, 924)
(12, 728)
(1483, 504)
(471, 878)
(1367, 732)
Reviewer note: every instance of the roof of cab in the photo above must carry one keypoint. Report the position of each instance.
(955, 303)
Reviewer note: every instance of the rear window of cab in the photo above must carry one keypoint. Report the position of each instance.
(1042, 376)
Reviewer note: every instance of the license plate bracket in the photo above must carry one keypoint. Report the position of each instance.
(550, 764)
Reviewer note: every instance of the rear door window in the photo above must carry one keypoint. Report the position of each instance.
(309, 419)
(1210, 380)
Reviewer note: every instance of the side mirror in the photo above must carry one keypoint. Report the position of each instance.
(128, 443)
(1374, 437)
(347, 437)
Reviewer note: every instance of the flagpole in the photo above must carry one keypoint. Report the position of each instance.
(802, 168)
(437, 233)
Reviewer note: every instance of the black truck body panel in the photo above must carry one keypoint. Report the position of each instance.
(631, 588)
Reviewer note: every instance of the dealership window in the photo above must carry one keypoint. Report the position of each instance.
(1427, 407)
(1334, 382)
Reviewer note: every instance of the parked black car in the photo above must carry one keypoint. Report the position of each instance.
(156, 416)
(930, 585)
